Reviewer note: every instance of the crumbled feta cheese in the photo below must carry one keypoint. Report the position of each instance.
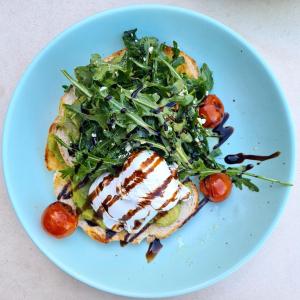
(201, 121)
(181, 93)
(136, 41)
(103, 88)
(197, 140)
(206, 93)
(150, 49)
(173, 167)
(113, 126)
(128, 147)
(116, 73)
(94, 134)
(144, 58)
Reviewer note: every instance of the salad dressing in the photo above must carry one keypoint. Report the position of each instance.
(154, 248)
(223, 132)
(64, 192)
(240, 157)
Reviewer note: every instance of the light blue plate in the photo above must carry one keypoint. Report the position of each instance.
(218, 239)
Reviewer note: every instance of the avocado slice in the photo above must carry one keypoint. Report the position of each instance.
(90, 215)
(52, 146)
(170, 217)
(80, 198)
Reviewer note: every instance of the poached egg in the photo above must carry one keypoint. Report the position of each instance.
(145, 187)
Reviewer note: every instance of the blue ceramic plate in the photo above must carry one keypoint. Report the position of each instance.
(220, 237)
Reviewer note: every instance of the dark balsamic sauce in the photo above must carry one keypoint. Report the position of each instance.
(130, 237)
(248, 167)
(156, 245)
(223, 132)
(153, 250)
(64, 193)
(137, 224)
(68, 195)
(240, 157)
(92, 223)
(201, 204)
(123, 243)
(109, 234)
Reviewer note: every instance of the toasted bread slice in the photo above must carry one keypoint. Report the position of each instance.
(188, 208)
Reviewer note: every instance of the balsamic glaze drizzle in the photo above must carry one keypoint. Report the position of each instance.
(240, 157)
(154, 247)
(223, 132)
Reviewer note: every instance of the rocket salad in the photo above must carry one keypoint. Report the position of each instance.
(140, 100)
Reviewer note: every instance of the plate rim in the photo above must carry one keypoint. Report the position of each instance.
(166, 8)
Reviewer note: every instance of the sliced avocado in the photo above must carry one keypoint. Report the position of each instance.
(80, 198)
(52, 146)
(69, 123)
(171, 216)
(89, 215)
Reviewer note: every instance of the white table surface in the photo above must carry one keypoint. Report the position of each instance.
(272, 26)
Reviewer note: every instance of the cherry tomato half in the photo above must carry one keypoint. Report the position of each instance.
(216, 187)
(59, 220)
(212, 110)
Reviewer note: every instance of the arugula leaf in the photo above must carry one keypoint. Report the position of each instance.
(240, 181)
(206, 77)
(77, 84)
(175, 50)
(134, 117)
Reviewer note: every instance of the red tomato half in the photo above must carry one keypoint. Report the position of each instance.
(216, 187)
(212, 110)
(59, 220)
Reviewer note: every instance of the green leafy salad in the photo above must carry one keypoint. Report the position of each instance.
(141, 99)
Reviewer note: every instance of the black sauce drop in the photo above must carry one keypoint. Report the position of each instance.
(83, 182)
(248, 167)
(153, 250)
(223, 132)
(64, 191)
(123, 243)
(201, 204)
(91, 223)
(240, 157)
(109, 234)
(67, 195)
